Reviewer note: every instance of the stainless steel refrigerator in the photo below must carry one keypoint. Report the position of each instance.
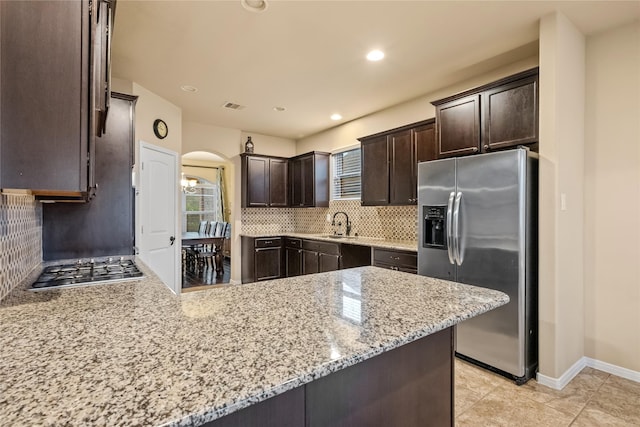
(478, 225)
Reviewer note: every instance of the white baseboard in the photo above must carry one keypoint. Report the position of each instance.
(234, 282)
(613, 369)
(560, 383)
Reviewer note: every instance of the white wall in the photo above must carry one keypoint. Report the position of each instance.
(561, 284)
(409, 112)
(612, 198)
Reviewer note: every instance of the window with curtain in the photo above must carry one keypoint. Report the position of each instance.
(345, 173)
(202, 204)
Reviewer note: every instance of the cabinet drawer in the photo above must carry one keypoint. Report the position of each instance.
(324, 247)
(395, 258)
(293, 243)
(271, 242)
(394, 268)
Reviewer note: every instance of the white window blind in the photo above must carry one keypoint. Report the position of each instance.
(346, 175)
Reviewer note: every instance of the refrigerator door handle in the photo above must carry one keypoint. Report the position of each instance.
(449, 228)
(456, 228)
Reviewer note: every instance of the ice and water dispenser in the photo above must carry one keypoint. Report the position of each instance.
(435, 227)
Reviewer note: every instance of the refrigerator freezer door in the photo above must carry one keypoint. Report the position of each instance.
(492, 245)
(436, 182)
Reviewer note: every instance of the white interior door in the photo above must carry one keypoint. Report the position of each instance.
(157, 230)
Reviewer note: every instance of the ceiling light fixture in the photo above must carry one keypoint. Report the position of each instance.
(189, 88)
(279, 109)
(336, 116)
(256, 6)
(375, 55)
(188, 184)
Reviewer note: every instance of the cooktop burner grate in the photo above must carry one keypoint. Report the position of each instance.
(86, 272)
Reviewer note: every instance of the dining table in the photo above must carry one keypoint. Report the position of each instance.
(193, 238)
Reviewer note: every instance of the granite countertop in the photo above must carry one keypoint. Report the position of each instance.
(401, 245)
(134, 353)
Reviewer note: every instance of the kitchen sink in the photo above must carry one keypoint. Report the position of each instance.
(339, 236)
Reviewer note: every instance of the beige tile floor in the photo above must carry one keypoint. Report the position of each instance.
(592, 399)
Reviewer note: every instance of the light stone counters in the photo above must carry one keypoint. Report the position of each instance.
(401, 245)
(135, 354)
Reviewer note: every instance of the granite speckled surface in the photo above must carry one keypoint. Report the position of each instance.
(135, 354)
(401, 245)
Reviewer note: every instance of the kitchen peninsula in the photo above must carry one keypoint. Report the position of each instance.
(135, 354)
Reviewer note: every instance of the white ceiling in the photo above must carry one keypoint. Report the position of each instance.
(309, 56)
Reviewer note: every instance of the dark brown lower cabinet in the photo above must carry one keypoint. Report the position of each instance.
(320, 257)
(268, 262)
(396, 260)
(309, 262)
(293, 261)
(261, 259)
(409, 386)
(328, 262)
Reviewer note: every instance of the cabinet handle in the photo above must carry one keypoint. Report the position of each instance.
(474, 149)
(486, 146)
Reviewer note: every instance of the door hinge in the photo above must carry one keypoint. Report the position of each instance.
(136, 250)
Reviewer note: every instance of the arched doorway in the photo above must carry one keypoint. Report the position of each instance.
(207, 197)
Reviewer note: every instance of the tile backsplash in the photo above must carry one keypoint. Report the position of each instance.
(389, 222)
(20, 239)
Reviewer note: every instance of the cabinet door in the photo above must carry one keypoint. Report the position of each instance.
(402, 183)
(101, 23)
(293, 262)
(308, 182)
(458, 124)
(328, 262)
(295, 168)
(45, 95)
(309, 262)
(267, 263)
(510, 114)
(278, 180)
(375, 171)
(257, 182)
(424, 138)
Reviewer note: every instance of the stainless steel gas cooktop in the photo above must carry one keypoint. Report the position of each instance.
(86, 272)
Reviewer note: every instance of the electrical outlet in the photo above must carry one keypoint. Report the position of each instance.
(328, 217)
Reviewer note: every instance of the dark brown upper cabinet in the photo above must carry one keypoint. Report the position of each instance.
(498, 115)
(309, 177)
(425, 142)
(375, 171)
(264, 181)
(511, 114)
(459, 127)
(389, 163)
(54, 85)
(278, 182)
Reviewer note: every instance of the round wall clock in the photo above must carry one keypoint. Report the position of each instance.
(160, 128)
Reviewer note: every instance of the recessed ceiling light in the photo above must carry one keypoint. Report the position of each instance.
(279, 109)
(254, 5)
(375, 55)
(189, 88)
(336, 116)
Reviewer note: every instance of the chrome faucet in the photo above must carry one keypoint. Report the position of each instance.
(347, 227)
